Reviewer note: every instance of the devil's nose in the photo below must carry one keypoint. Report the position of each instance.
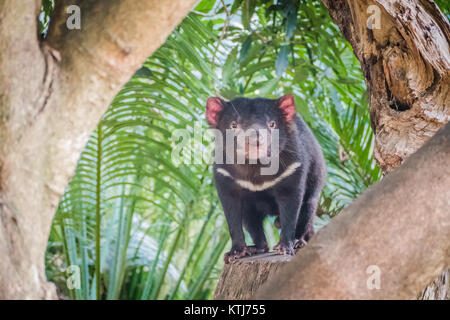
(257, 135)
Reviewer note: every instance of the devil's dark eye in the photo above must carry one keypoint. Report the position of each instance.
(233, 125)
(272, 124)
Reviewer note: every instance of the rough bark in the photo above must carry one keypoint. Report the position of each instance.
(52, 95)
(242, 278)
(400, 225)
(439, 289)
(406, 65)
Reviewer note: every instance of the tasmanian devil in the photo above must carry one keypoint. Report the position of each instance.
(289, 190)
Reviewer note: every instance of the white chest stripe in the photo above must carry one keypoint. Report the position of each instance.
(265, 185)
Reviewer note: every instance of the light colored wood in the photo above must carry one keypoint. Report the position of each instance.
(240, 279)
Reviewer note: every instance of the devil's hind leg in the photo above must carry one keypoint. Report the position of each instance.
(305, 229)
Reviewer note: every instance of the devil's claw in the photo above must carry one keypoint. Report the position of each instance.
(283, 249)
(257, 250)
(236, 254)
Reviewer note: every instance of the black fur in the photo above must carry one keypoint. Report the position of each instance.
(293, 200)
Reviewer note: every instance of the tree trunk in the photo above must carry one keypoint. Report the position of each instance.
(52, 95)
(439, 289)
(403, 48)
(405, 60)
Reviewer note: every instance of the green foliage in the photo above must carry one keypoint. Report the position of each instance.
(140, 227)
(44, 17)
(444, 5)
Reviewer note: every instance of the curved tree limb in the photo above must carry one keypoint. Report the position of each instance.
(400, 227)
(22, 65)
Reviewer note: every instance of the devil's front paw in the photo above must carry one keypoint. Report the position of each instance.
(300, 243)
(236, 253)
(258, 249)
(282, 248)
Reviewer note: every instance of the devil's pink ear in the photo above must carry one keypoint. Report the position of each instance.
(287, 105)
(213, 107)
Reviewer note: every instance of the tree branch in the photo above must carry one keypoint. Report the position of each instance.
(21, 63)
(116, 37)
(18, 24)
(400, 225)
